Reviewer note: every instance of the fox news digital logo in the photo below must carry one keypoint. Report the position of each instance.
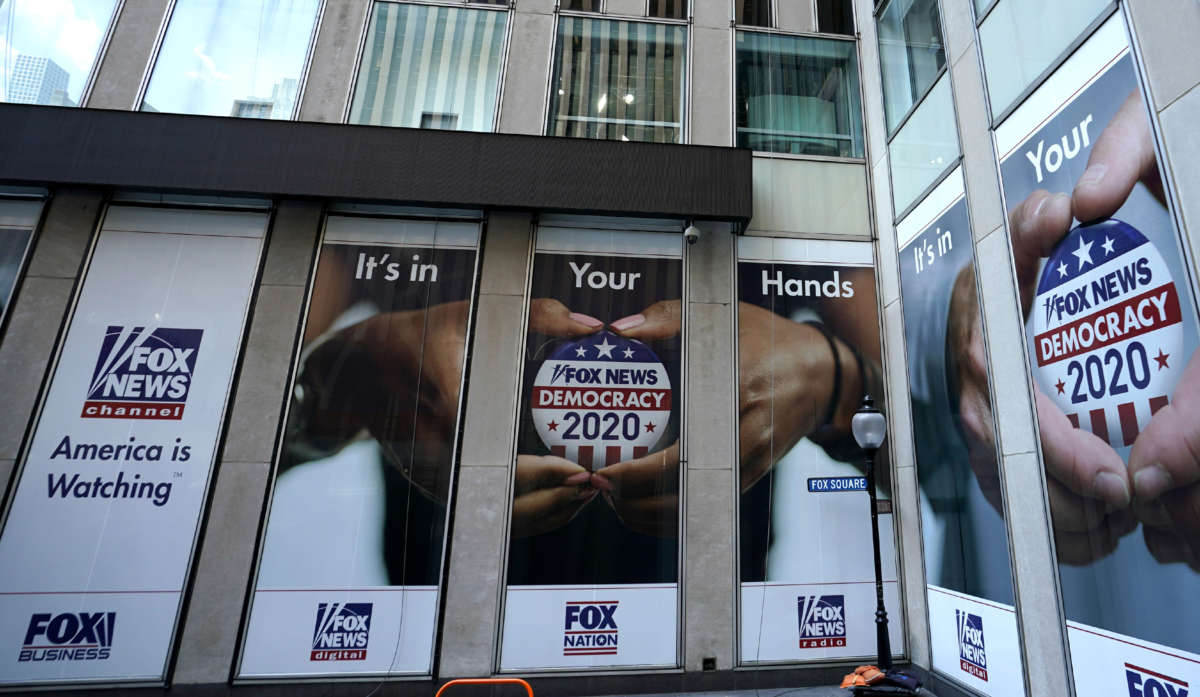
(590, 628)
(69, 636)
(341, 632)
(1147, 683)
(971, 655)
(822, 621)
(142, 373)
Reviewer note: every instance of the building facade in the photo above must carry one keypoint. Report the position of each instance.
(367, 341)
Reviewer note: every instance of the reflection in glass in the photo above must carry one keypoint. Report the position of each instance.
(753, 13)
(227, 58)
(426, 66)
(618, 80)
(669, 9)
(798, 95)
(581, 5)
(924, 147)
(835, 17)
(1021, 38)
(48, 49)
(910, 54)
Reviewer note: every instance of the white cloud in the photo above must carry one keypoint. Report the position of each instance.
(208, 71)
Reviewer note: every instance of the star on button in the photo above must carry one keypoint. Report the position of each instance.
(604, 350)
(1060, 385)
(628, 352)
(553, 426)
(581, 352)
(650, 427)
(1062, 269)
(1107, 246)
(1084, 253)
(1162, 359)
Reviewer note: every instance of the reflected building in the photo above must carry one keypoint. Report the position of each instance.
(38, 80)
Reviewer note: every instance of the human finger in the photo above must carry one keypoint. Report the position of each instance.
(645, 476)
(1166, 454)
(536, 472)
(549, 316)
(1170, 548)
(1079, 548)
(548, 509)
(1085, 464)
(662, 320)
(1122, 156)
(1036, 225)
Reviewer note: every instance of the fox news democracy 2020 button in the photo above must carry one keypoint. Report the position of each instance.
(1107, 330)
(601, 399)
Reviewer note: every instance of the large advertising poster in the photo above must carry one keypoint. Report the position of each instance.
(17, 220)
(972, 621)
(808, 349)
(352, 556)
(1111, 334)
(101, 528)
(593, 557)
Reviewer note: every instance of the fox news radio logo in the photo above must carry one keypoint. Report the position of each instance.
(142, 373)
(822, 621)
(70, 636)
(971, 655)
(1147, 683)
(590, 628)
(341, 632)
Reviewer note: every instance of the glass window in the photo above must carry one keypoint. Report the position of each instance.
(669, 9)
(233, 58)
(618, 80)
(753, 13)
(798, 95)
(1021, 38)
(835, 17)
(429, 66)
(924, 147)
(581, 5)
(48, 49)
(910, 54)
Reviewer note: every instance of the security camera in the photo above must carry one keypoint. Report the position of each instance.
(691, 233)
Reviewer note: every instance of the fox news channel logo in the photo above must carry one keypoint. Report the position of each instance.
(972, 657)
(590, 628)
(1147, 683)
(341, 632)
(69, 636)
(142, 373)
(822, 621)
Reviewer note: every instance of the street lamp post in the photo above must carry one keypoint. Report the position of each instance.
(870, 427)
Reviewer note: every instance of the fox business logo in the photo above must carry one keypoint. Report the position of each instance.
(822, 621)
(972, 657)
(69, 636)
(1147, 683)
(341, 632)
(590, 628)
(142, 373)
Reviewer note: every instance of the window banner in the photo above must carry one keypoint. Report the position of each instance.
(351, 560)
(99, 536)
(593, 557)
(807, 313)
(1111, 333)
(972, 621)
(17, 220)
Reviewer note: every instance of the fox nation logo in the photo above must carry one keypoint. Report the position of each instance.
(70, 636)
(590, 628)
(822, 621)
(1147, 683)
(142, 373)
(971, 655)
(341, 632)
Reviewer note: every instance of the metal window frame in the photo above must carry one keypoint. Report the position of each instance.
(772, 20)
(880, 8)
(685, 100)
(767, 154)
(366, 30)
(165, 25)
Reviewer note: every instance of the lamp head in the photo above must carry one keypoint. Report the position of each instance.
(869, 426)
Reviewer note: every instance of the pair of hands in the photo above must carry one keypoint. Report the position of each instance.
(1094, 497)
